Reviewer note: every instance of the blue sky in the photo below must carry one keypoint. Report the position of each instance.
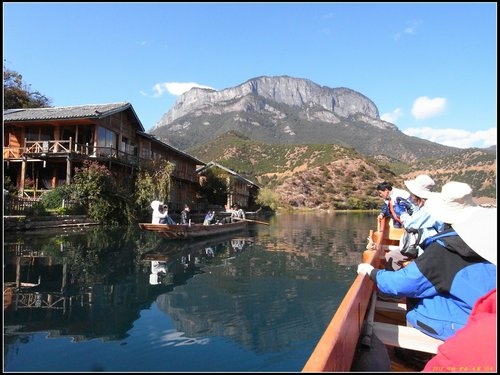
(430, 68)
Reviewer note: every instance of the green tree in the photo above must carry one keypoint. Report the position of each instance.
(153, 183)
(17, 94)
(95, 188)
(214, 188)
(268, 198)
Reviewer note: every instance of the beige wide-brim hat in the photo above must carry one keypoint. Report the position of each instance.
(479, 231)
(421, 186)
(452, 204)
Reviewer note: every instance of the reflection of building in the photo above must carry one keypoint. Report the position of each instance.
(34, 285)
(42, 147)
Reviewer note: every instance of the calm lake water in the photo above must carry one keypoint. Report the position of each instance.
(254, 301)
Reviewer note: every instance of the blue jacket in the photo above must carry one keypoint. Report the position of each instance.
(445, 280)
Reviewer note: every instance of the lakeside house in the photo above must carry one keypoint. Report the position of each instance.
(43, 146)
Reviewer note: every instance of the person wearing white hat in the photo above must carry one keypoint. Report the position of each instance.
(419, 225)
(160, 213)
(480, 329)
(444, 282)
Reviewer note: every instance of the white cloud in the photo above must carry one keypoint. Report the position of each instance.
(456, 137)
(408, 30)
(425, 107)
(393, 116)
(173, 88)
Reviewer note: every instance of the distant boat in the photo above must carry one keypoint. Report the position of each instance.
(363, 319)
(186, 231)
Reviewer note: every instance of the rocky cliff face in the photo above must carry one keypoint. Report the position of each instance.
(286, 110)
(257, 94)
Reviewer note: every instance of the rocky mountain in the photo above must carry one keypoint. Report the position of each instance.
(329, 176)
(287, 110)
(318, 147)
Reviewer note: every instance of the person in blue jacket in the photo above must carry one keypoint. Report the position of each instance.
(418, 225)
(444, 282)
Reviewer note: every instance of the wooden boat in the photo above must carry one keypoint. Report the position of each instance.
(362, 315)
(185, 231)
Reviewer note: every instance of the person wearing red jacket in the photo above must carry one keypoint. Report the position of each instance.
(474, 347)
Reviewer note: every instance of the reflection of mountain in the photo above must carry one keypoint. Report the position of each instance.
(306, 236)
(259, 314)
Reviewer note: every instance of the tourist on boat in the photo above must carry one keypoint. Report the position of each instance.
(419, 225)
(474, 347)
(185, 215)
(167, 219)
(209, 218)
(457, 266)
(237, 213)
(160, 214)
(392, 206)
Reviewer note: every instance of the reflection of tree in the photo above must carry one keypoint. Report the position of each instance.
(99, 277)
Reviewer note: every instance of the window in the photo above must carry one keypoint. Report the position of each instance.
(106, 142)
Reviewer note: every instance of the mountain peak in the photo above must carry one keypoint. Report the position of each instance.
(286, 90)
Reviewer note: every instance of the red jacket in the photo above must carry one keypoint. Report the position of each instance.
(474, 347)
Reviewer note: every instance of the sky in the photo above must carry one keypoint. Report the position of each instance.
(430, 68)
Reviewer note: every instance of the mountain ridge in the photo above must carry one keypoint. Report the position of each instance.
(287, 110)
(312, 145)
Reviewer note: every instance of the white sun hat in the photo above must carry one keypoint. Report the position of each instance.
(421, 186)
(479, 231)
(452, 204)
(155, 205)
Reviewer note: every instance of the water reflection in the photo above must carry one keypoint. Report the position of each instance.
(260, 299)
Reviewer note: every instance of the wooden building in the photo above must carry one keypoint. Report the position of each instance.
(42, 147)
(240, 189)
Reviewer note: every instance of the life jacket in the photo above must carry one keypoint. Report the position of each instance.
(437, 238)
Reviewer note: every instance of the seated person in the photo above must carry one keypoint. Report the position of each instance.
(237, 213)
(473, 348)
(390, 208)
(209, 218)
(158, 212)
(167, 219)
(453, 272)
(419, 223)
(186, 215)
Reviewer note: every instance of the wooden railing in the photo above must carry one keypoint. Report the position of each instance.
(37, 149)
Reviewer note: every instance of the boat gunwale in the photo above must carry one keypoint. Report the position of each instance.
(193, 230)
(336, 348)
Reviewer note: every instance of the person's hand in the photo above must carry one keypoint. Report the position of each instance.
(365, 269)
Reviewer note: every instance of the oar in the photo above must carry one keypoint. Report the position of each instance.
(251, 221)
